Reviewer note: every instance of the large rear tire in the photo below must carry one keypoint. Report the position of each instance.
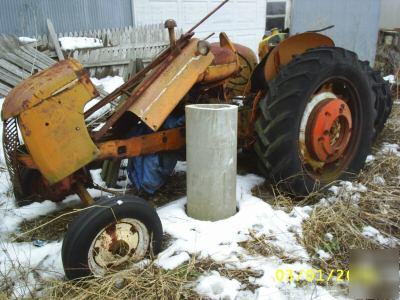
(384, 101)
(317, 121)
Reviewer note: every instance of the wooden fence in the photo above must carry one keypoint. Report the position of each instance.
(140, 36)
(122, 48)
(18, 62)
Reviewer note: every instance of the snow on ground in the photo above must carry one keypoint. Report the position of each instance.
(72, 43)
(219, 240)
(109, 83)
(215, 286)
(390, 78)
(374, 234)
(389, 149)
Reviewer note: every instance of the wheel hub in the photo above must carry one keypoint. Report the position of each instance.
(124, 241)
(329, 130)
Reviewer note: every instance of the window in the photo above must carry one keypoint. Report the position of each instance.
(276, 14)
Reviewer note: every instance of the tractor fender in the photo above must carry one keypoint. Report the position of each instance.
(283, 53)
(297, 44)
(167, 90)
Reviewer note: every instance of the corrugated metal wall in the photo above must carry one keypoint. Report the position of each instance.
(28, 17)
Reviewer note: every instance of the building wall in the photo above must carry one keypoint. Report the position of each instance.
(390, 14)
(28, 17)
(242, 20)
(356, 22)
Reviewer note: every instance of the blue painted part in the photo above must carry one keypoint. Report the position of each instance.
(150, 172)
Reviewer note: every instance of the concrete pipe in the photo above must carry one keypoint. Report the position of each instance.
(211, 153)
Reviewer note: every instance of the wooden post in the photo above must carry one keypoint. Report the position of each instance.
(54, 39)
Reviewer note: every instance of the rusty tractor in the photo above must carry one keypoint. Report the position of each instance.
(310, 112)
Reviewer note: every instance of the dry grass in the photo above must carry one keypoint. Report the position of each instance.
(281, 200)
(148, 283)
(151, 282)
(262, 245)
(50, 227)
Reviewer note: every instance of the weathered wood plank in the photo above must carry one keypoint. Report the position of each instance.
(38, 56)
(14, 69)
(20, 62)
(4, 90)
(9, 77)
(31, 59)
(53, 37)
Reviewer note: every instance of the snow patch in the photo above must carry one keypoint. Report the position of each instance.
(378, 180)
(374, 234)
(181, 166)
(390, 78)
(27, 265)
(389, 149)
(323, 255)
(344, 190)
(370, 158)
(215, 286)
(108, 84)
(72, 43)
(26, 40)
(171, 262)
(329, 236)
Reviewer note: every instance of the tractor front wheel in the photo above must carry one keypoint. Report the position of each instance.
(316, 123)
(110, 235)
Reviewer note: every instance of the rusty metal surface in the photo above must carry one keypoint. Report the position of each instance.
(54, 131)
(172, 139)
(136, 95)
(239, 85)
(39, 87)
(226, 62)
(222, 55)
(283, 53)
(163, 94)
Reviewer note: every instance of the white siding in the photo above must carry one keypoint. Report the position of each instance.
(242, 20)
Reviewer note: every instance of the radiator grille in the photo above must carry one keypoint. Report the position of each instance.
(11, 146)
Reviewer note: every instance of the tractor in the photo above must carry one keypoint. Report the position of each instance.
(309, 111)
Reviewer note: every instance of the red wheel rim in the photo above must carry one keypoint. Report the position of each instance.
(329, 130)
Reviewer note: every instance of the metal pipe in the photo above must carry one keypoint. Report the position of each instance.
(207, 16)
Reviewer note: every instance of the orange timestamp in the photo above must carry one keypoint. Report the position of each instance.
(318, 275)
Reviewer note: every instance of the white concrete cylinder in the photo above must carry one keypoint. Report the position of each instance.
(211, 154)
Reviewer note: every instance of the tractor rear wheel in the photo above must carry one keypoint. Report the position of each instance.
(316, 123)
(384, 101)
